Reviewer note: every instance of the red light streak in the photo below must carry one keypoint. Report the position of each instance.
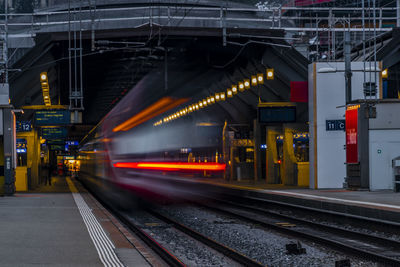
(172, 166)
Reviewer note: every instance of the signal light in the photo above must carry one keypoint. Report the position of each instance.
(270, 74)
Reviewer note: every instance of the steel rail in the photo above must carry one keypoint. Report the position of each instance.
(266, 222)
(229, 252)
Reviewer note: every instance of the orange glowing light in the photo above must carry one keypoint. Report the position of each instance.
(148, 113)
(172, 166)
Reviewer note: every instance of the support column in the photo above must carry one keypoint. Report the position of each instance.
(9, 151)
(257, 152)
(398, 13)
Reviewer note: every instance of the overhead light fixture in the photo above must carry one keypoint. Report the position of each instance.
(270, 74)
(247, 84)
(212, 99)
(241, 87)
(217, 97)
(229, 93)
(222, 96)
(234, 89)
(208, 100)
(260, 78)
(385, 73)
(205, 102)
(253, 80)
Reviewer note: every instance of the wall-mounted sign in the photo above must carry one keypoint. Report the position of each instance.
(72, 143)
(57, 147)
(335, 125)
(276, 114)
(23, 126)
(55, 142)
(52, 117)
(54, 132)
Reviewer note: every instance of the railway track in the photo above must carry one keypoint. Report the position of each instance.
(371, 247)
(165, 254)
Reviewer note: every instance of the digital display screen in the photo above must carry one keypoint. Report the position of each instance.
(54, 133)
(276, 114)
(52, 117)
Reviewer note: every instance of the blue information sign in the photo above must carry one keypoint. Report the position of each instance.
(335, 125)
(54, 132)
(23, 126)
(52, 117)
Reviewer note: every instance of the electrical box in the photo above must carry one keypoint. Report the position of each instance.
(396, 174)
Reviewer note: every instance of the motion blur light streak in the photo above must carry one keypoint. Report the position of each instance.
(171, 166)
(154, 110)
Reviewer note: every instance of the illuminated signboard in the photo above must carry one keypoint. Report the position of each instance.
(23, 126)
(351, 135)
(52, 117)
(57, 147)
(54, 132)
(55, 142)
(21, 145)
(275, 114)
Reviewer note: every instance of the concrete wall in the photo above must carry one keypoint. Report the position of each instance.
(326, 95)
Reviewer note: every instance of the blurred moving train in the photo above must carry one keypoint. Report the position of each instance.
(130, 151)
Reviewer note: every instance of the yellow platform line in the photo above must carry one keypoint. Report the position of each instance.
(71, 186)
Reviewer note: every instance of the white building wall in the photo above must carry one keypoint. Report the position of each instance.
(326, 102)
(384, 147)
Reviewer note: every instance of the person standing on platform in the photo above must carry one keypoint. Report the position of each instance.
(49, 173)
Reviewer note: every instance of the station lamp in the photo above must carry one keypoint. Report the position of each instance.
(241, 87)
(253, 80)
(234, 89)
(190, 109)
(385, 73)
(208, 100)
(212, 99)
(260, 78)
(217, 97)
(270, 74)
(201, 104)
(247, 84)
(222, 96)
(204, 102)
(229, 93)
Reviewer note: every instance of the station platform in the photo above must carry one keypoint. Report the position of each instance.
(63, 225)
(382, 205)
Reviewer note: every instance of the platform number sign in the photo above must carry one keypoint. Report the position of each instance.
(23, 126)
(335, 125)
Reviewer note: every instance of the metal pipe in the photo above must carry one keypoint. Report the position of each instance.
(348, 73)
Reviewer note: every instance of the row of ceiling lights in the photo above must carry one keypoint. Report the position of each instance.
(44, 82)
(220, 96)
